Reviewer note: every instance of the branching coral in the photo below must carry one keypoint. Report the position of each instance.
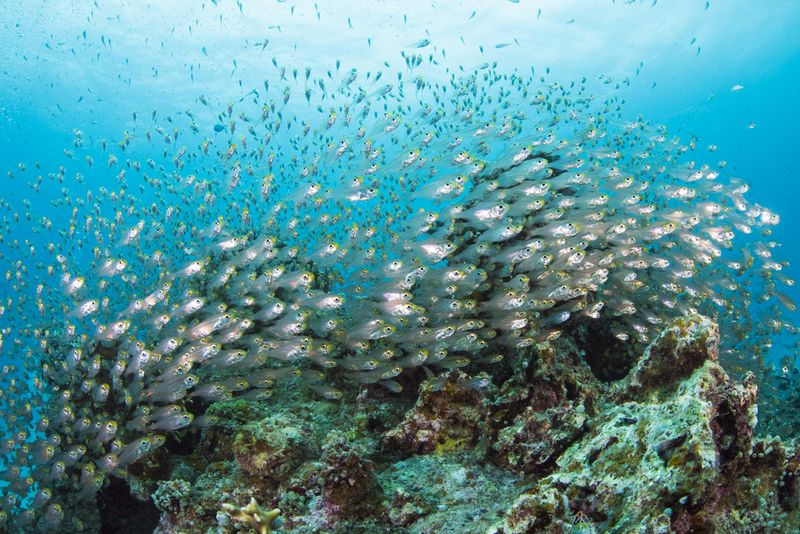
(253, 515)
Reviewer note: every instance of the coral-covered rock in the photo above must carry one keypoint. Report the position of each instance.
(673, 356)
(763, 496)
(193, 507)
(448, 415)
(659, 454)
(542, 408)
(406, 508)
(171, 495)
(270, 449)
(445, 493)
(669, 448)
(349, 487)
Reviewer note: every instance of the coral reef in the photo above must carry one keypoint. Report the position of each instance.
(515, 262)
(669, 448)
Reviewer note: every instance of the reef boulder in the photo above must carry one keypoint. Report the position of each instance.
(448, 415)
(271, 449)
(542, 408)
(666, 450)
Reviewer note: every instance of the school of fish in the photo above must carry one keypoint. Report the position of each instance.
(393, 226)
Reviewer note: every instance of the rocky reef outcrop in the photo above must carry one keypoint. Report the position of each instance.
(546, 447)
(670, 450)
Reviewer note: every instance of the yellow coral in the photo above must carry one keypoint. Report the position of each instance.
(258, 518)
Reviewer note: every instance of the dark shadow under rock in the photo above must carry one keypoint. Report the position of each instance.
(608, 357)
(122, 513)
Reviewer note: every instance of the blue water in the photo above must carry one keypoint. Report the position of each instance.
(90, 66)
(726, 72)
